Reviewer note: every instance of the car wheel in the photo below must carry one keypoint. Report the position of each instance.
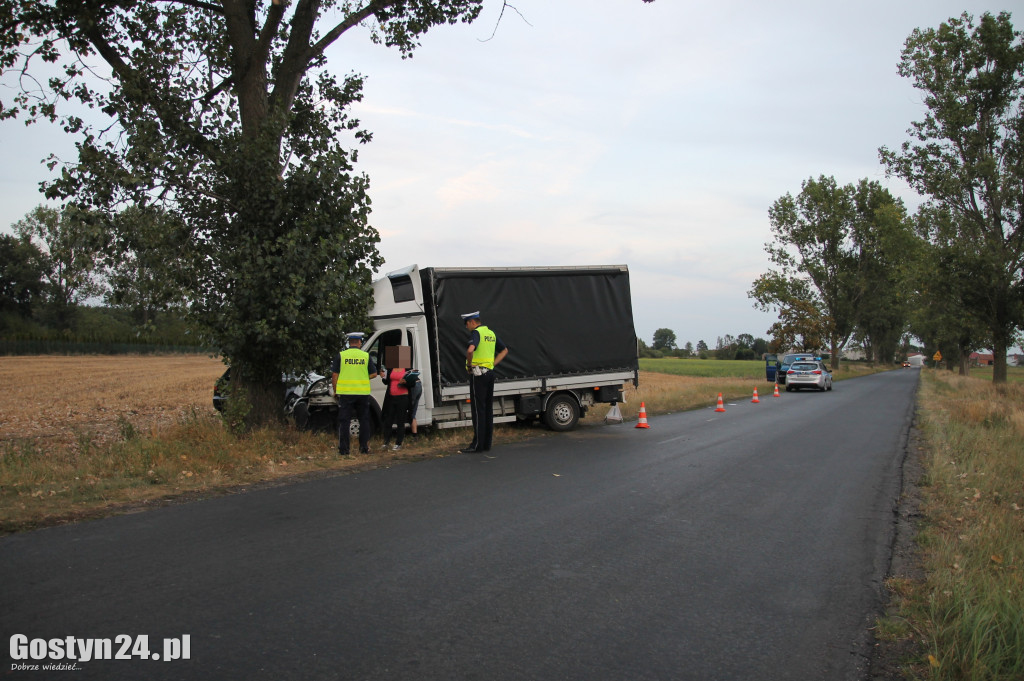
(789, 388)
(562, 413)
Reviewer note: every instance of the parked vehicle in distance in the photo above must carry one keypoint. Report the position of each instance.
(808, 374)
(782, 367)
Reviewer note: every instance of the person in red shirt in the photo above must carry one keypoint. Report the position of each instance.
(397, 407)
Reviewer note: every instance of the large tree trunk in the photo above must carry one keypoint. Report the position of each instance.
(1000, 344)
(965, 362)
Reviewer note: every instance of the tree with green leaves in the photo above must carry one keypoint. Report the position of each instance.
(947, 308)
(886, 248)
(22, 267)
(967, 155)
(150, 269)
(664, 339)
(817, 266)
(72, 245)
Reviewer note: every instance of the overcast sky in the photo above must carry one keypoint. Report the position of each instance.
(613, 132)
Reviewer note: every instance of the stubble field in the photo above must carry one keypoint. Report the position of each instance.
(56, 400)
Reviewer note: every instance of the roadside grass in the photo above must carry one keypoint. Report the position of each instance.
(967, 614)
(42, 484)
(1013, 374)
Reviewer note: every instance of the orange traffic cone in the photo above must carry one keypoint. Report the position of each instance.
(755, 400)
(721, 407)
(642, 423)
(776, 390)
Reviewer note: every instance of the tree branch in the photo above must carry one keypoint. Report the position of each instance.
(504, 6)
(198, 4)
(274, 16)
(351, 20)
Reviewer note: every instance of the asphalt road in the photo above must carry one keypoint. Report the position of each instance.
(746, 545)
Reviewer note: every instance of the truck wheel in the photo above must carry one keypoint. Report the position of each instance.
(562, 413)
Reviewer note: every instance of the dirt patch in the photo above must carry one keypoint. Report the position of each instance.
(890, 659)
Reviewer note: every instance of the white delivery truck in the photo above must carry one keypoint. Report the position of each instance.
(569, 331)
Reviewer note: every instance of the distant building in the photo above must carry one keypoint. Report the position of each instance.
(854, 353)
(981, 359)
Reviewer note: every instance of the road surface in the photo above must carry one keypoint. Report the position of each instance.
(750, 544)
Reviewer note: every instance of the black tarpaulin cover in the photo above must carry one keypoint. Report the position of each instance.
(554, 321)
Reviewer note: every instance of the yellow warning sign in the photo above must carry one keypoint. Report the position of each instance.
(937, 356)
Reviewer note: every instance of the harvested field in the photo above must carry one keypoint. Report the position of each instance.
(53, 399)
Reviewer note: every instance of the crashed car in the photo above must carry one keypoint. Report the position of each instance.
(308, 401)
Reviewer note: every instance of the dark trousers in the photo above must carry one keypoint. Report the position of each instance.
(349, 406)
(481, 395)
(395, 414)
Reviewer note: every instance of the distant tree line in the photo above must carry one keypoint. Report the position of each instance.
(851, 264)
(744, 346)
(65, 278)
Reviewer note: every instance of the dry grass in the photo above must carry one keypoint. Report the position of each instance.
(968, 610)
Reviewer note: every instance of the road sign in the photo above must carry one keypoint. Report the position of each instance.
(937, 356)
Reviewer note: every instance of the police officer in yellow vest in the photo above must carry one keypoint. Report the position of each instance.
(350, 373)
(484, 352)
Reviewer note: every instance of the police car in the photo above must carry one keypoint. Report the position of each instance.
(781, 374)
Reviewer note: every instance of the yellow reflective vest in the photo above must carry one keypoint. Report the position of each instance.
(483, 356)
(353, 373)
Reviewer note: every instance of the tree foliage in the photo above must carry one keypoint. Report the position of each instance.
(947, 312)
(967, 154)
(150, 268)
(886, 248)
(72, 246)
(22, 267)
(664, 339)
(840, 266)
(816, 262)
